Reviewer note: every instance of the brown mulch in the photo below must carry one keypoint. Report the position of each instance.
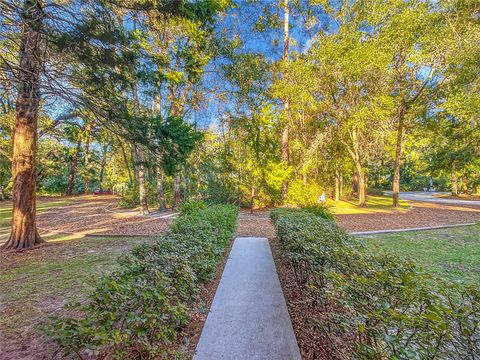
(100, 215)
(255, 225)
(421, 214)
(190, 335)
(310, 341)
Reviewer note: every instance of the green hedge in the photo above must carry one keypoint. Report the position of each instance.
(138, 311)
(375, 306)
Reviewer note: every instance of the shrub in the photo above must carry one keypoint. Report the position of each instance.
(137, 311)
(319, 210)
(375, 306)
(303, 194)
(190, 206)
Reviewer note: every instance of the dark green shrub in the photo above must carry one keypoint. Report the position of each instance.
(190, 206)
(319, 210)
(371, 305)
(137, 311)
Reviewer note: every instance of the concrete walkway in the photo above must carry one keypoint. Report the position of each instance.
(249, 317)
(434, 197)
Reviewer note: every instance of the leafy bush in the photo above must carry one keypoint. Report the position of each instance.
(191, 206)
(301, 194)
(137, 311)
(375, 306)
(319, 210)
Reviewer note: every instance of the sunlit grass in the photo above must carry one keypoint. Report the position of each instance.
(375, 204)
(451, 253)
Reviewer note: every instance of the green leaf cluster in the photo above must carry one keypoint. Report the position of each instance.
(375, 306)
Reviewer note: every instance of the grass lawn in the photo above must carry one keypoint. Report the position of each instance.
(452, 253)
(375, 204)
(37, 283)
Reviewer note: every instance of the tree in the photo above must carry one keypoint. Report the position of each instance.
(24, 231)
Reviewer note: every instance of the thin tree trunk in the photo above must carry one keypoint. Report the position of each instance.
(176, 192)
(341, 183)
(87, 160)
(24, 231)
(398, 157)
(160, 193)
(361, 186)
(141, 158)
(454, 180)
(142, 188)
(285, 130)
(464, 183)
(337, 182)
(73, 169)
(252, 196)
(103, 165)
(355, 182)
(125, 159)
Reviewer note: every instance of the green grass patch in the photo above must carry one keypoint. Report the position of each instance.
(375, 204)
(38, 282)
(451, 253)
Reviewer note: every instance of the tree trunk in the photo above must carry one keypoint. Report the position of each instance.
(24, 231)
(252, 196)
(355, 182)
(125, 159)
(160, 193)
(73, 169)
(142, 188)
(87, 160)
(341, 183)
(176, 192)
(103, 165)
(362, 186)
(398, 156)
(464, 183)
(285, 135)
(454, 180)
(337, 182)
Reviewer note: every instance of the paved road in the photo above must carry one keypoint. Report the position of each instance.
(249, 317)
(434, 198)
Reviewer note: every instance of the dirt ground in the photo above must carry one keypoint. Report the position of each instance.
(100, 215)
(421, 214)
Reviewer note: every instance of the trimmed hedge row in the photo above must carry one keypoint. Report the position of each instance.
(137, 311)
(375, 306)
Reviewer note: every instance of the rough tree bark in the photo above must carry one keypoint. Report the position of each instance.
(73, 169)
(362, 186)
(285, 130)
(87, 159)
(24, 231)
